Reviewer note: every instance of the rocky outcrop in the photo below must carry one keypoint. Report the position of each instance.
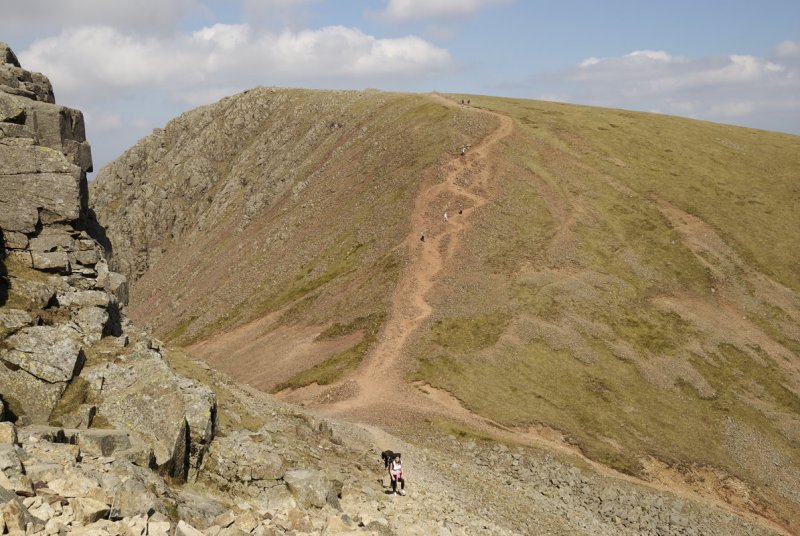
(65, 356)
(44, 155)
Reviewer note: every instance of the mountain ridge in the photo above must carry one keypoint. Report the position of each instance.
(619, 287)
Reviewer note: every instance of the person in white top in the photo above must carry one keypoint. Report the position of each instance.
(396, 473)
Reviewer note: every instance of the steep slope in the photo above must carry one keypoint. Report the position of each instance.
(632, 285)
(618, 282)
(275, 201)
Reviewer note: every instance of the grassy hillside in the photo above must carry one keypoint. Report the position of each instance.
(633, 281)
(275, 204)
(635, 285)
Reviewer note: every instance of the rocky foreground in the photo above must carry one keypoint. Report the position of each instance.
(104, 431)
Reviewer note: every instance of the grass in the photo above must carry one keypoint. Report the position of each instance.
(335, 367)
(468, 333)
(76, 393)
(578, 256)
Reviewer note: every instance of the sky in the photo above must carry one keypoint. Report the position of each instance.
(132, 66)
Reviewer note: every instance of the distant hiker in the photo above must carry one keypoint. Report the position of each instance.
(422, 236)
(462, 101)
(463, 150)
(460, 208)
(396, 474)
(445, 215)
(467, 101)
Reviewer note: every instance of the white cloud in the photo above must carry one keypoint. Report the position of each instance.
(746, 89)
(45, 16)
(103, 121)
(141, 123)
(225, 58)
(658, 55)
(788, 49)
(406, 10)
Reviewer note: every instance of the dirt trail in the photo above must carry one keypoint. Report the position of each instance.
(377, 381)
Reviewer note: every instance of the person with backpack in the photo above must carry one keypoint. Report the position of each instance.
(396, 474)
(387, 456)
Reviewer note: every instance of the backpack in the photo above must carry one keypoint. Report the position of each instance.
(387, 456)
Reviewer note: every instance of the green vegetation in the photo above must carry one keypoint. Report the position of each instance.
(623, 247)
(465, 334)
(76, 393)
(335, 367)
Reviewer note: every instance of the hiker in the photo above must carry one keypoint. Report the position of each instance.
(445, 215)
(463, 150)
(422, 239)
(387, 456)
(396, 474)
(460, 208)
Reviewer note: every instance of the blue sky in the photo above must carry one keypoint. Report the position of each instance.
(132, 66)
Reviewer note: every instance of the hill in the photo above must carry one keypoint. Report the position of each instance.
(619, 284)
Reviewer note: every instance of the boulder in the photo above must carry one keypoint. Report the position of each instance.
(53, 261)
(32, 400)
(74, 484)
(9, 461)
(87, 257)
(84, 298)
(52, 240)
(32, 294)
(92, 322)
(100, 442)
(116, 284)
(337, 525)
(13, 513)
(243, 458)
(80, 418)
(7, 55)
(158, 528)
(309, 487)
(8, 433)
(12, 474)
(135, 525)
(11, 109)
(23, 155)
(185, 529)
(50, 353)
(175, 415)
(132, 498)
(27, 200)
(198, 510)
(13, 319)
(62, 129)
(88, 510)
(14, 240)
(139, 454)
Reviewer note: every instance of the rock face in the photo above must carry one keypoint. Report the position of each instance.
(44, 155)
(64, 354)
